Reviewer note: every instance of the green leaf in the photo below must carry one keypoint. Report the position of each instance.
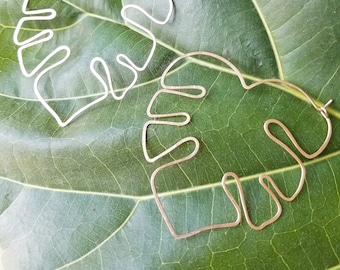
(79, 197)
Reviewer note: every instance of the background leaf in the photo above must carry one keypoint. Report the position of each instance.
(79, 197)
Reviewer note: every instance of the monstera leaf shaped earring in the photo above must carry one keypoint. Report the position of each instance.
(160, 119)
(64, 52)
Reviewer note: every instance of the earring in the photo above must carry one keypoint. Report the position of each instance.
(180, 91)
(47, 34)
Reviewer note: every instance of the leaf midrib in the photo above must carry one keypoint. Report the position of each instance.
(180, 191)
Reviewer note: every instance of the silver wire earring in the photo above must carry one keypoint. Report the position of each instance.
(47, 34)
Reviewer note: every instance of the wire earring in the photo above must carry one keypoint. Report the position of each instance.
(47, 34)
(178, 90)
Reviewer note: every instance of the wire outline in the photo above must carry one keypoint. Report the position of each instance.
(176, 90)
(47, 34)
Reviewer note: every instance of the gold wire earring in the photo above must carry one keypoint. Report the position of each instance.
(178, 90)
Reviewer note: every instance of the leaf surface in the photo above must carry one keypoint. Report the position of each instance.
(79, 197)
